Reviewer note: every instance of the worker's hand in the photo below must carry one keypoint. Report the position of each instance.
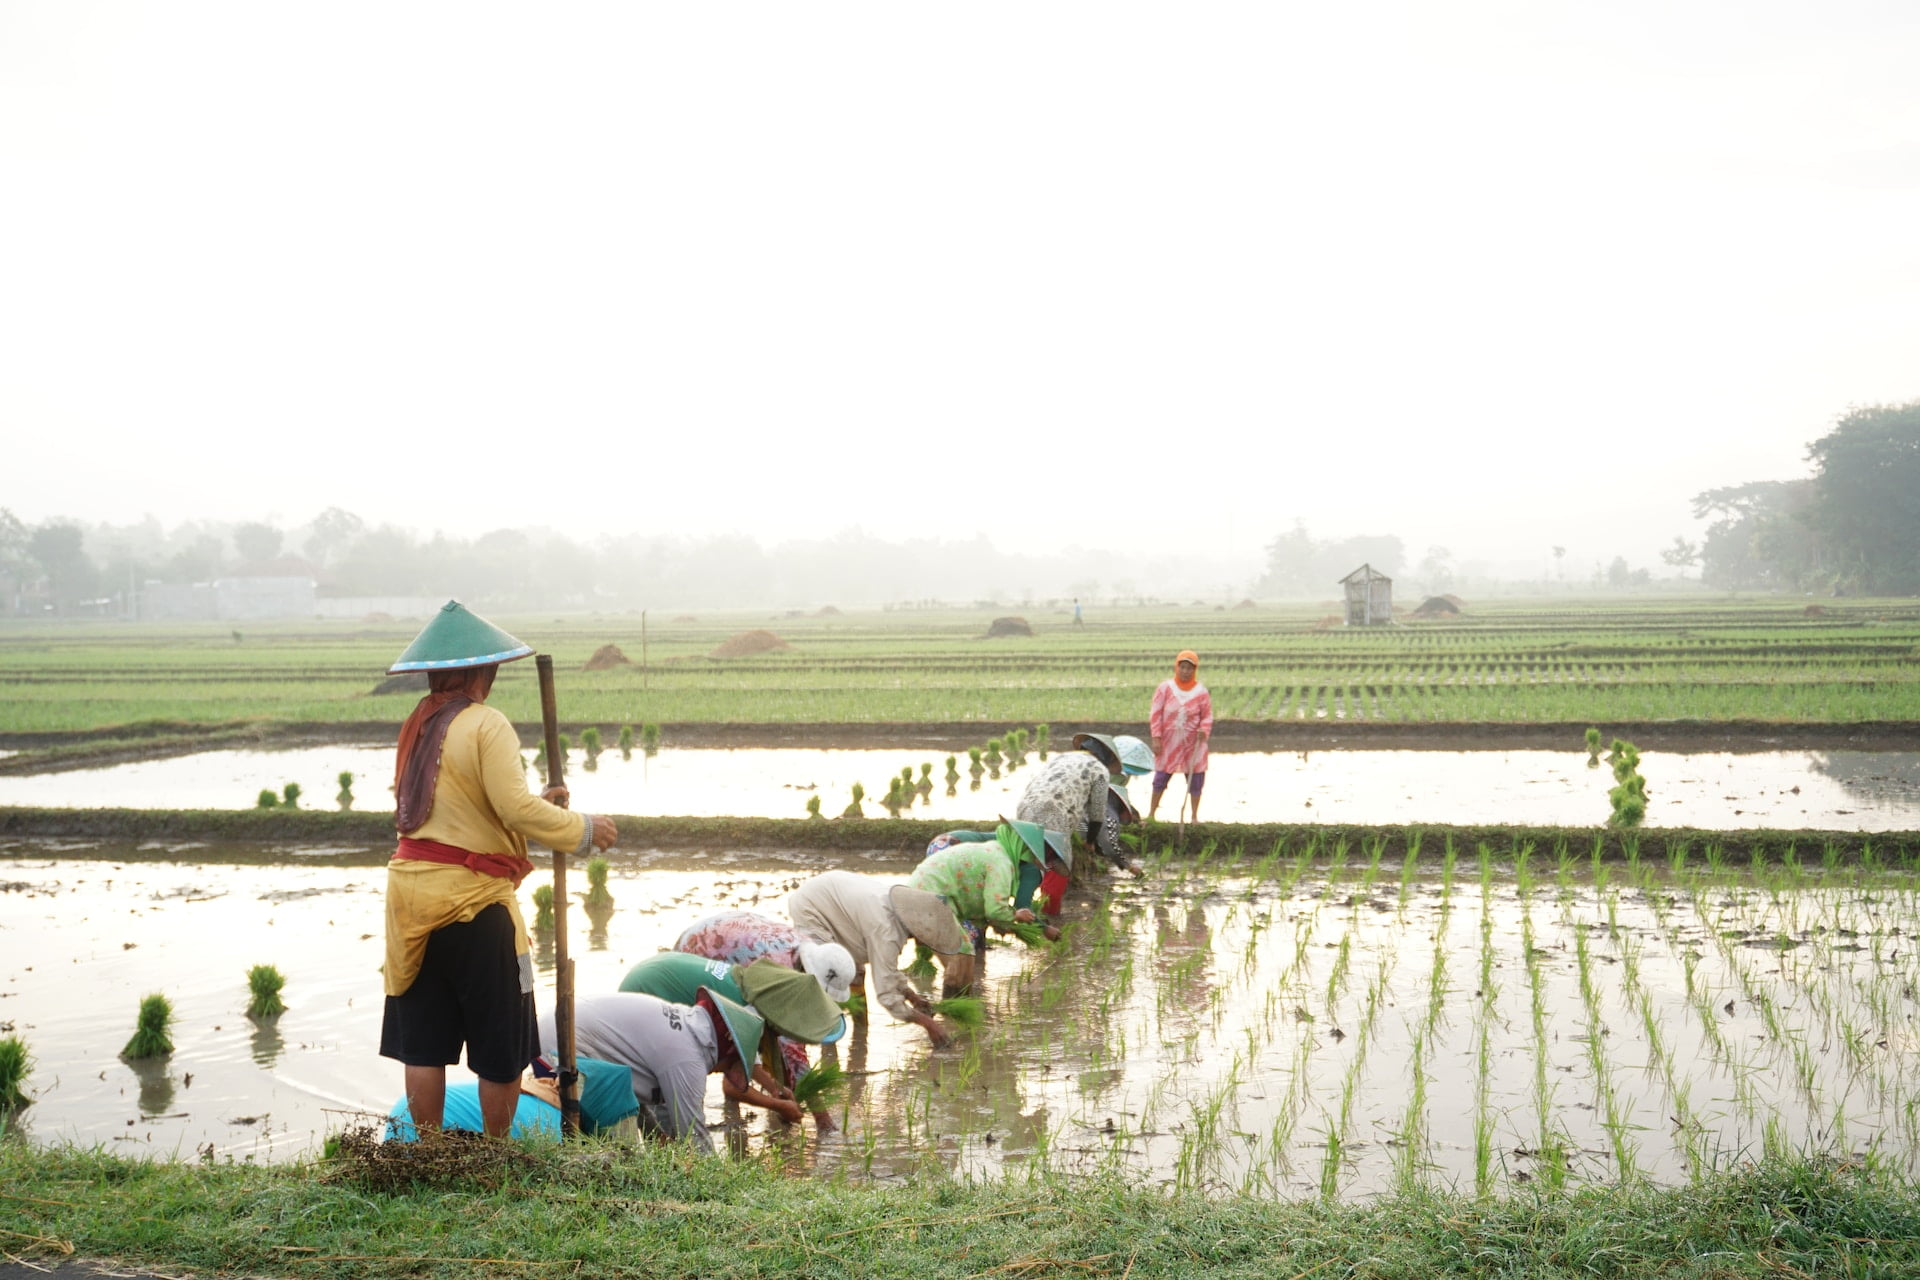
(603, 832)
(1135, 870)
(556, 795)
(1023, 915)
(935, 1032)
(1053, 932)
(917, 1000)
(789, 1110)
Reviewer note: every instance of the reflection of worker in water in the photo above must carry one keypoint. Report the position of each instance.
(793, 1004)
(457, 970)
(741, 937)
(873, 921)
(1181, 722)
(1084, 791)
(670, 1050)
(992, 878)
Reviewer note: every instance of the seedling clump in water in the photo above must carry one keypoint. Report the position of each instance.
(152, 1036)
(264, 982)
(597, 894)
(14, 1065)
(543, 908)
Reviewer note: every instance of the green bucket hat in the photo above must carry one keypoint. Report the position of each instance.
(743, 1024)
(458, 637)
(792, 1001)
(1040, 842)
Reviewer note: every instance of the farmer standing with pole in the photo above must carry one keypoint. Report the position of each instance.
(458, 969)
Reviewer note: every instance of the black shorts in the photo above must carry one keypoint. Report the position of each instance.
(472, 989)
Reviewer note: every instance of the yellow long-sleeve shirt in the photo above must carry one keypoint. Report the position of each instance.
(480, 803)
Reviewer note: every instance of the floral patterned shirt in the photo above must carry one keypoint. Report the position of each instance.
(1070, 794)
(977, 880)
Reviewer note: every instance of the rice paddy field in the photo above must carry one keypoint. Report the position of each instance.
(1838, 662)
(1302, 1011)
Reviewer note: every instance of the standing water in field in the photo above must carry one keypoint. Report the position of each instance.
(1315, 1019)
(1792, 790)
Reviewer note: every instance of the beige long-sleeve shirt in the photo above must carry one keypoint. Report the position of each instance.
(856, 913)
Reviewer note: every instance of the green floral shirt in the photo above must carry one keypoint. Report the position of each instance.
(977, 880)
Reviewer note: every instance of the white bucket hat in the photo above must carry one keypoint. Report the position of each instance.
(832, 965)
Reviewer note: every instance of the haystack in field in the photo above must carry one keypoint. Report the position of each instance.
(1437, 607)
(607, 657)
(1008, 627)
(749, 643)
(826, 611)
(1246, 604)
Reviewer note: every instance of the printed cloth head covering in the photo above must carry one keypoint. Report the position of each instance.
(416, 765)
(458, 637)
(930, 920)
(831, 966)
(791, 1001)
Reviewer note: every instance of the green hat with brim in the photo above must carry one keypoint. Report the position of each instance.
(791, 1001)
(743, 1024)
(1040, 842)
(1119, 795)
(930, 920)
(457, 637)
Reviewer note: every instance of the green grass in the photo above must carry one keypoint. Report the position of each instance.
(661, 1212)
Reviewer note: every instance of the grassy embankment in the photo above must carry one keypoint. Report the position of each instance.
(1708, 660)
(661, 1212)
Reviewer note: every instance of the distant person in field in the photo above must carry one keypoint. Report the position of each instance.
(1181, 722)
(1084, 790)
(1078, 621)
(458, 972)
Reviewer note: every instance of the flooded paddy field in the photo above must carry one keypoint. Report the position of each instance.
(1800, 789)
(1306, 1019)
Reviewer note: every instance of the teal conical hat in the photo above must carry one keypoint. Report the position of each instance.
(458, 637)
(743, 1026)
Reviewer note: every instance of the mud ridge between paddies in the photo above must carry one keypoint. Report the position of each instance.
(157, 740)
(324, 838)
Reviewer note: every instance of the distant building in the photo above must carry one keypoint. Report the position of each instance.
(228, 599)
(1369, 597)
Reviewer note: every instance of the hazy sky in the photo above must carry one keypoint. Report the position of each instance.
(1483, 274)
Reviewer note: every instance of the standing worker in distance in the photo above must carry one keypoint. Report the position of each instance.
(1181, 722)
(458, 971)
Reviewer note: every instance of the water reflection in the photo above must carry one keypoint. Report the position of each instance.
(267, 1042)
(157, 1085)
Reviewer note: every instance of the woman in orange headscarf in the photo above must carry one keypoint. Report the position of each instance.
(1181, 722)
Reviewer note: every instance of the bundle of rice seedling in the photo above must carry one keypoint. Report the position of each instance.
(1031, 934)
(821, 1087)
(14, 1066)
(265, 981)
(855, 1005)
(962, 1011)
(922, 966)
(543, 909)
(150, 1033)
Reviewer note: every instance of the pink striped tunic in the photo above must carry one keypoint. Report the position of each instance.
(1182, 719)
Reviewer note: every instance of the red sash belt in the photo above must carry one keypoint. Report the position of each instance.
(503, 865)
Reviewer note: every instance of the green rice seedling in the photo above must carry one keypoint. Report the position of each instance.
(1041, 733)
(268, 799)
(345, 797)
(290, 795)
(925, 785)
(590, 741)
(854, 810)
(152, 1033)
(922, 964)
(650, 739)
(855, 1005)
(1031, 934)
(993, 756)
(597, 892)
(1593, 748)
(15, 1064)
(962, 1011)
(821, 1087)
(263, 985)
(626, 742)
(892, 801)
(813, 807)
(953, 771)
(543, 908)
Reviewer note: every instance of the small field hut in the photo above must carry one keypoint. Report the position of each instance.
(1369, 597)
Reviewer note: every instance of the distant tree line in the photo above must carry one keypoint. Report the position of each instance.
(1852, 527)
(65, 568)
